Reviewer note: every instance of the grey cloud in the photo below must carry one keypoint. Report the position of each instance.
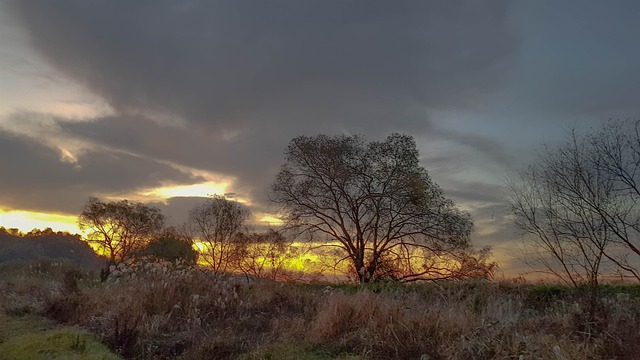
(235, 64)
(244, 77)
(176, 209)
(491, 148)
(35, 178)
(477, 192)
(579, 63)
(250, 158)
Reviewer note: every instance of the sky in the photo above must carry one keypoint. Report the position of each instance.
(166, 102)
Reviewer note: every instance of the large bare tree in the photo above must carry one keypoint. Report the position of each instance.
(580, 203)
(119, 228)
(372, 201)
(217, 224)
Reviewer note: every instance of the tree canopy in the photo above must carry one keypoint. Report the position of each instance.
(171, 248)
(119, 229)
(374, 203)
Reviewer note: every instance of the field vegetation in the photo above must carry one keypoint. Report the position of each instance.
(160, 310)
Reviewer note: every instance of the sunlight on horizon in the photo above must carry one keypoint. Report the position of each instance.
(26, 221)
(195, 190)
(269, 219)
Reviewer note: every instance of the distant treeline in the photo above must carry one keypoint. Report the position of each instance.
(46, 245)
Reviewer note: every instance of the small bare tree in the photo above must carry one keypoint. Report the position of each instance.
(121, 228)
(217, 224)
(569, 240)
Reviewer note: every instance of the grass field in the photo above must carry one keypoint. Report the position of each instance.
(160, 311)
(25, 333)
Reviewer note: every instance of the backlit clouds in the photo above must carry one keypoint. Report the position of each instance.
(121, 98)
(223, 86)
(38, 177)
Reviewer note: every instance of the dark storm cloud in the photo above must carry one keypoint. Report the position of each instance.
(579, 62)
(232, 65)
(244, 77)
(35, 178)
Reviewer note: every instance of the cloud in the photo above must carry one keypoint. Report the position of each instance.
(578, 63)
(37, 177)
(234, 65)
(224, 85)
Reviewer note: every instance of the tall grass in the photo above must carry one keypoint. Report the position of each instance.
(162, 311)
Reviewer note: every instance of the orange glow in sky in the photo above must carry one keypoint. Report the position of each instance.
(202, 189)
(26, 221)
(269, 219)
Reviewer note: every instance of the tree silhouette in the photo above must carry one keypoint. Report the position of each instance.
(374, 202)
(121, 228)
(217, 224)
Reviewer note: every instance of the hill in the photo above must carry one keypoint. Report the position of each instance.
(46, 245)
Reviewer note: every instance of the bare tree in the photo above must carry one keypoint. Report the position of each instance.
(569, 239)
(615, 152)
(217, 224)
(371, 200)
(119, 228)
(579, 202)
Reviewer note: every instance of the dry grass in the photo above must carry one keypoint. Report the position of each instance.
(164, 311)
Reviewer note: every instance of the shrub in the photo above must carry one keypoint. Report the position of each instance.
(170, 248)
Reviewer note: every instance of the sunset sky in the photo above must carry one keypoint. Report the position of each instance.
(168, 101)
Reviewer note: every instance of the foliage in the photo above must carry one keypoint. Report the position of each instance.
(194, 314)
(170, 247)
(60, 344)
(24, 333)
(217, 224)
(46, 244)
(119, 229)
(372, 201)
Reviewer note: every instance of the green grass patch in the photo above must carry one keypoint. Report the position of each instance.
(33, 337)
(11, 326)
(293, 352)
(66, 343)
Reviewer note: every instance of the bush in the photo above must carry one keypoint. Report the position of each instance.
(171, 249)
